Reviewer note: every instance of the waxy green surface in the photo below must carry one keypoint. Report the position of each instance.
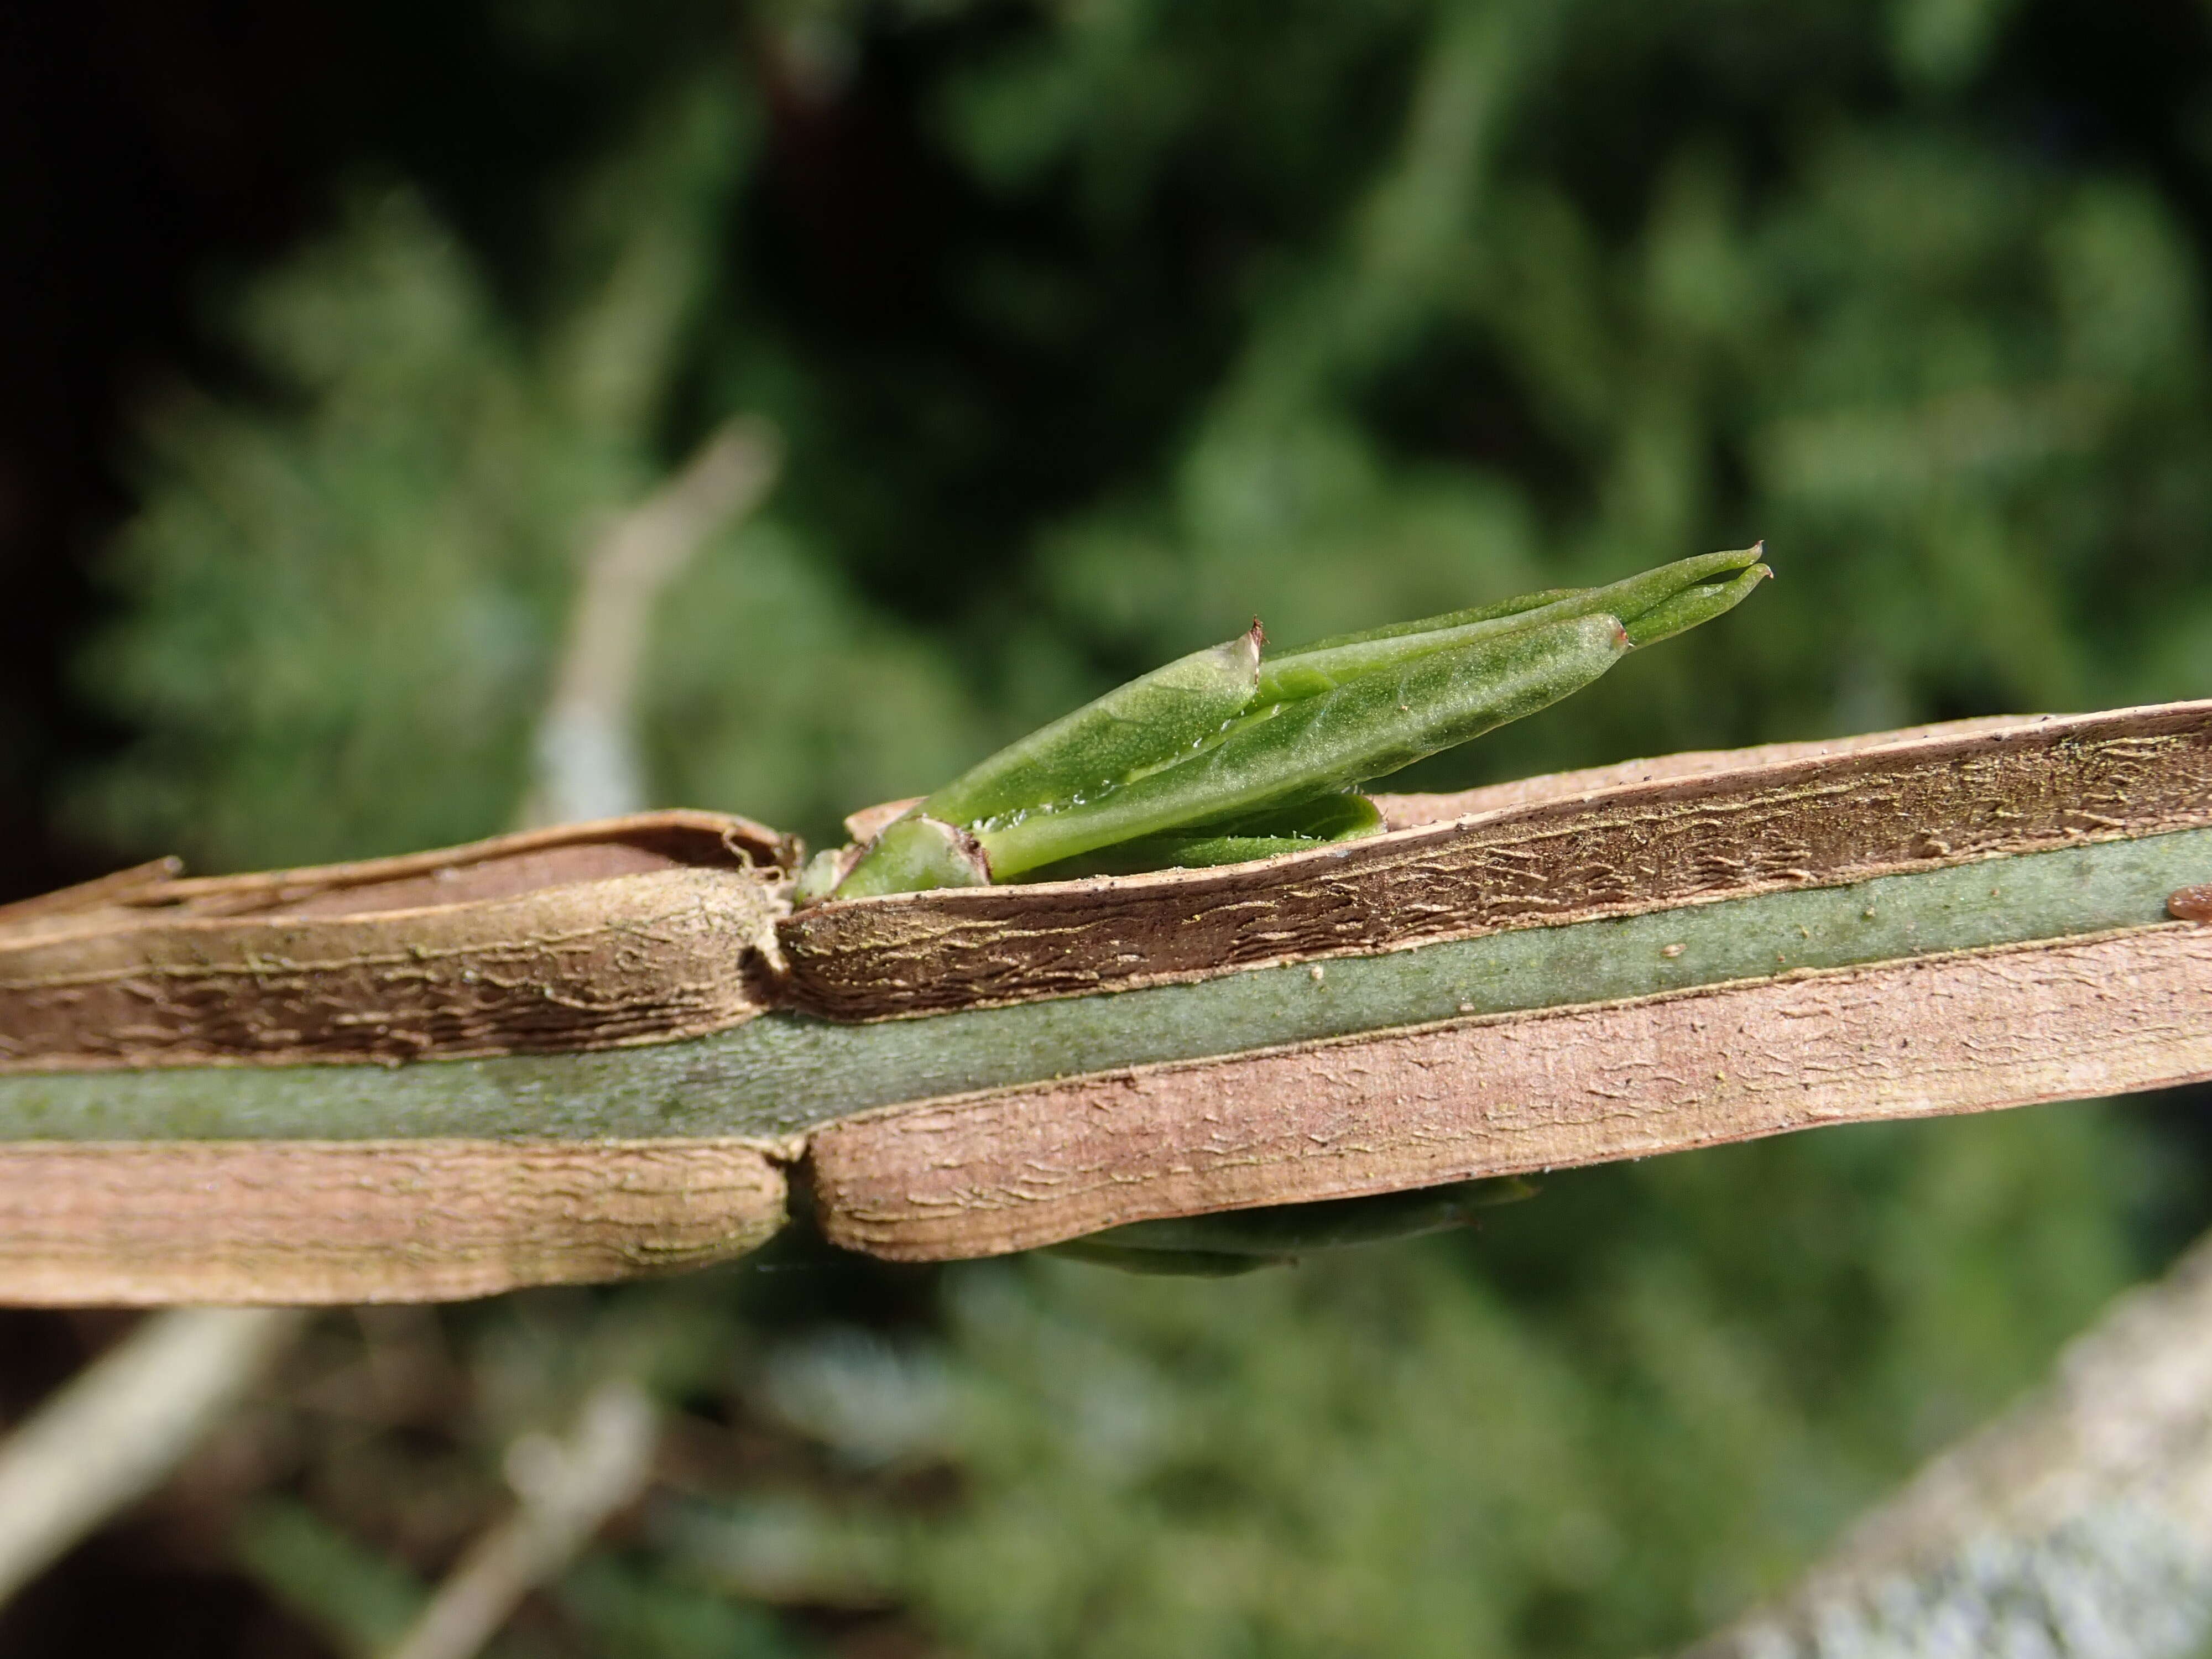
(1223, 734)
(782, 1072)
(1653, 606)
(1151, 721)
(1300, 828)
(1366, 728)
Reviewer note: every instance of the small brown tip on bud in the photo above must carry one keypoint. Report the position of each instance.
(2191, 904)
(1259, 636)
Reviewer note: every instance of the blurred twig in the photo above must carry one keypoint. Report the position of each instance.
(566, 1489)
(118, 1428)
(586, 758)
(2078, 1524)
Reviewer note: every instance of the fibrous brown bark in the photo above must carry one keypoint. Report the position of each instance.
(143, 1222)
(645, 929)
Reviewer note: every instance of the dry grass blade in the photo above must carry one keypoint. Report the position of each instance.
(587, 763)
(567, 1488)
(115, 1431)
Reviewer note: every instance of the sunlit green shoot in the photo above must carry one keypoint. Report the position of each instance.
(1313, 669)
(1141, 725)
(1225, 755)
(1291, 750)
(1700, 603)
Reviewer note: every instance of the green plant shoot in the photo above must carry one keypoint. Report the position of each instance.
(1231, 754)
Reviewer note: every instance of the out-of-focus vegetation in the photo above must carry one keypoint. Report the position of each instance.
(1092, 330)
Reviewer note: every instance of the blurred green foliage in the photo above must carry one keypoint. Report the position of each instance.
(1094, 329)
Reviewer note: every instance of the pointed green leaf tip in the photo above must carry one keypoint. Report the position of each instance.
(1221, 755)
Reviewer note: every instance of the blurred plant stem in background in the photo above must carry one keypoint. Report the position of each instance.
(587, 763)
(1091, 330)
(566, 1489)
(120, 1429)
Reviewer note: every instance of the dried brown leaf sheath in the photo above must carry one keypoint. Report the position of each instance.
(290, 1222)
(635, 930)
(636, 934)
(1961, 1032)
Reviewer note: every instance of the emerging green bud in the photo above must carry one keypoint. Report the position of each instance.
(1221, 756)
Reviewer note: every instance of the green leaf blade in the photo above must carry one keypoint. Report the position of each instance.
(1368, 728)
(1313, 670)
(1692, 606)
(1519, 604)
(917, 853)
(1146, 723)
(1278, 1233)
(1318, 823)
